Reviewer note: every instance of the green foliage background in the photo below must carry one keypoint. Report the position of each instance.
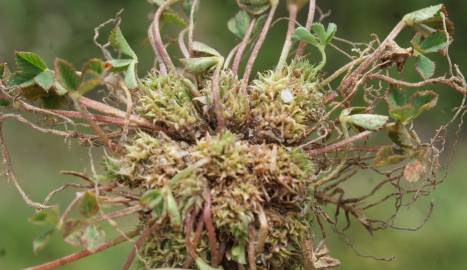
(65, 29)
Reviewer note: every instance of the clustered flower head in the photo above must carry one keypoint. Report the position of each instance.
(246, 185)
(287, 103)
(167, 100)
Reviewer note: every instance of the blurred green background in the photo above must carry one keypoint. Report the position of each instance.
(65, 28)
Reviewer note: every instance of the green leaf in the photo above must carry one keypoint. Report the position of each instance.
(202, 48)
(238, 253)
(396, 97)
(344, 116)
(238, 25)
(422, 15)
(131, 79)
(410, 109)
(172, 209)
(255, 7)
(59, 89)
(89, 205)
(30, 63)
(199, 65)
(302, 34)
(96, 65)
(45, 79)
(118, 41)
(53, 100)
(318, 29)
(388, 156)
(368, 121)
(17, 79)
(403, 114)
(66, 75)
(425, 67)
(202, 265)
(325, 35)
(423, 101)
(170, 17)
(435, 42)
(152, 198)
(400, 135)
(89, 82)
(120, 64)
(41, 241)
(92, 237)
(49, 216)
(331, 32)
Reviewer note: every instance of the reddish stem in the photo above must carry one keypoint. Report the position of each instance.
(242, 46)
(157, 35)
(196, 240)
(102, 119)
(162, 68)
(212, 239)
(251, 248)
(149, 230)
(309, 22)
(107, 109)
(82, 254)
(340, 144)
(257, 47)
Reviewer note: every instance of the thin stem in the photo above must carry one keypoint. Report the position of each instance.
(257, 47)
(212, 239)
(101, 119)
(231, 55)
(440, 80)
(263, 230)
(293, 10)
(94, 126)
(191, 26)
(181, 43)
(149, 230)
(162, 67)
(117, 214)
(242, 46)
(350, 81)
(309, 22)
(106, 109)
(336, 146)
(11, 175)
(251, 248)
(341, 71)
(82, 254)
(159, 44)
(196, 239)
